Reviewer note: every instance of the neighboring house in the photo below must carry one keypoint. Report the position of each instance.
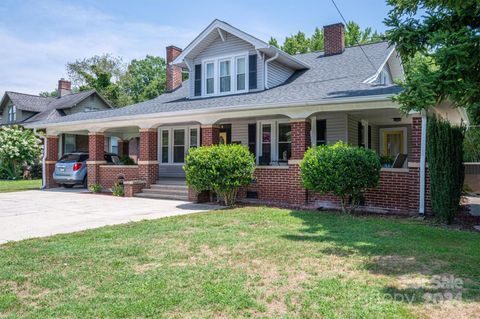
(21, 109)
(242, 90)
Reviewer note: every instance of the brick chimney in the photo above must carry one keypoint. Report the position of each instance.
(334, 37)
(174, 73)
(64, 87)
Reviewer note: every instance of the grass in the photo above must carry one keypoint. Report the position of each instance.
(244, 263)
(20, 185)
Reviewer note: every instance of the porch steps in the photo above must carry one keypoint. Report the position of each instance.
(166, 188)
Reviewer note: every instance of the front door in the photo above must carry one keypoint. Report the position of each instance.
(393, 143)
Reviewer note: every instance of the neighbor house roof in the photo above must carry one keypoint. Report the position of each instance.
(48, 108)
(328, 78)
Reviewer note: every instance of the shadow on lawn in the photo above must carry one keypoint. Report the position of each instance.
(422, 261)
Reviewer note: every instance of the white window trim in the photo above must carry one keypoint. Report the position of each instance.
(313, 129)
(170, 130)
(216, 72)
(12, 113)
(273, 141)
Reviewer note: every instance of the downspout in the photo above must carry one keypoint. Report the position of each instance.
(266, 69)
(44, 157)
(423, 151)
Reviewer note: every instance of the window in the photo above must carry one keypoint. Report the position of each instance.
(69, 144)
(193, 137)
(12, 113)
(165, 143)
(178, 146)
(241, 73)
(210, 78)
(266, 144)
(274, 142)
(284, 142)
(225, 76)
(113, 145)
(321, 131)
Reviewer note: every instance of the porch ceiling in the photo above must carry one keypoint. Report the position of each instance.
(383, 116)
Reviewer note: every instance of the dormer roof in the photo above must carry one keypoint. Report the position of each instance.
(220, 28)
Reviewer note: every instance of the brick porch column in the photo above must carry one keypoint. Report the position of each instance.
(147, 157)
(300, 138)
(300, 143)
(210, 135)
(96, 156)
(50, 160)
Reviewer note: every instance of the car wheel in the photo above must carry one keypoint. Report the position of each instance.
(68, 185)
(85, 183)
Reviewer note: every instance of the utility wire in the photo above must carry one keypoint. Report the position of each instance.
(359, 45)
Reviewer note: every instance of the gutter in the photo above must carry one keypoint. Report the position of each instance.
(266, 69)
(376, 98)
(423, 149)
(44, 157)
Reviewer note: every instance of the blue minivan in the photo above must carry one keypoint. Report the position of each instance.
(71, 168)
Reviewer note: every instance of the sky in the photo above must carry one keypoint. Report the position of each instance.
(38, 38)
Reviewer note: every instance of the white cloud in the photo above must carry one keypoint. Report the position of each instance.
(34, 60)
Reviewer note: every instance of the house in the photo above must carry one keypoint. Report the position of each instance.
(21, 109)
(242, 90)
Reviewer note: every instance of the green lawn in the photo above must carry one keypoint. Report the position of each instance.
(20, 185)
(246, 262)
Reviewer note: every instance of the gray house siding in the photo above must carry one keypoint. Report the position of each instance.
(231, 45)
(21, 115)
(92, 102)
(277, 73)
(352, 129)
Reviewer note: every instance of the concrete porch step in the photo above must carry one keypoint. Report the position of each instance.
(165, 191)
(162, 196)
(169, 187)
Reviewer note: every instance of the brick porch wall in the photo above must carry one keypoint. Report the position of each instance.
(110, 174)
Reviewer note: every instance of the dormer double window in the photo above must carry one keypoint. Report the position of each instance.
(225, 75)
(12, 113)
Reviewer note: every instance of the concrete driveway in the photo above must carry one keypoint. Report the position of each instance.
(39, 213)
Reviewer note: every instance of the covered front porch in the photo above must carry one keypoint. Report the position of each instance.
(278, 138)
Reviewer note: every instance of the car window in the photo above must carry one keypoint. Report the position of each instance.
(70, 158)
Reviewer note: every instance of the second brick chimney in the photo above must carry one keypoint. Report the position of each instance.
(174, 73)
(64, 87)
(334, 37)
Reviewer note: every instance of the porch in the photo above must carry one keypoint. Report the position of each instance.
(278, 142)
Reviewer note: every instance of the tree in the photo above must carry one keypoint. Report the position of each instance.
(220, 168)
(447, 35)
(300, 43)
(145, 79)
(341, 170)
(296, 44)
(54, 93)
(18, 147)
(100, 73)
(471, 145)
(317, 40)
(273, 42)
(445, 166)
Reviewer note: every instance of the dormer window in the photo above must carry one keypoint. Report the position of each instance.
(224, 75)
(12, 113)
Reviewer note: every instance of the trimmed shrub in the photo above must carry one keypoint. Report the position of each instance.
(445, 166)
(220, 168)
(341, 170)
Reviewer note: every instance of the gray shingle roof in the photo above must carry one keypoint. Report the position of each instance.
(48, 108)
(328, 78)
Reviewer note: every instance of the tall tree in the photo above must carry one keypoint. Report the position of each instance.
(273, 42)
(447, 35)
(100, 72)
(145, 79)
(297, 43)
(317, 40)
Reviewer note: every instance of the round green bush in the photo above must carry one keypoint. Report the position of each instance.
(341, 170)
(220, 168)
